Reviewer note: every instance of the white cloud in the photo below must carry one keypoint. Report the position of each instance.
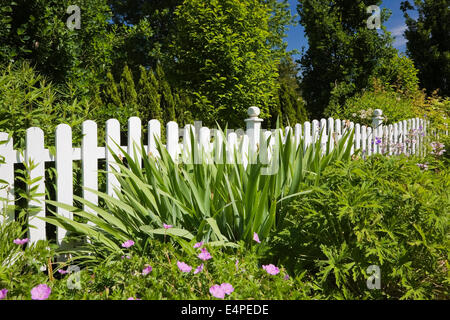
(397, 32)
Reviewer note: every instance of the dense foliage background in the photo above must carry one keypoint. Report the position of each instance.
(322, 219)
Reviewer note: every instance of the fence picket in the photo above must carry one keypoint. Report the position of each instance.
(154, 134)
(357, 144)
(64, 178)
(370, 141)
(232, 142)
(307, 134)
(7, 174)
(315, 130)
(112, 138)
(89, 163)
(298, 134)
(172, 140)
(134, 140)
(363, 141)
(395, 138)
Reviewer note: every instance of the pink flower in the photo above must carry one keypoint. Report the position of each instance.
(40, 292)
(255, 237)
(227, 288)
(167, 226)
(286, 277)
(271, 269)
(199, 269)
(3, 293)
(184, 267)
(146, 271)
(128, 243)
(131, 298)
(198, 244)
(61, 271)
(127, 257)
(217, 291)
(204, 255)
(21, 241)
(236, 264)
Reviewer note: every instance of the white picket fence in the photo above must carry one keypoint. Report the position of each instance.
(403, 137)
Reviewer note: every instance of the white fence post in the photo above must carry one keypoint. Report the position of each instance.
(34, 152)
(253, 130)
(377, 124)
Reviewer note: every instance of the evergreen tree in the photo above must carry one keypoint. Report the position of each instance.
(128, 91)
(343, 53)
(149, 98)
(167, 99)
(290, 106)
(429, 42)
(111, 92)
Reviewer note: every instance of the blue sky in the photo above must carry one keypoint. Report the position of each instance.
(395, 25)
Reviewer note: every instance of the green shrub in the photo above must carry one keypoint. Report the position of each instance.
(382, 211)
(28, 100)
(359, 108)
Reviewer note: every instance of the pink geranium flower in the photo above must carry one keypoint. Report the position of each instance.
(271, 269)
(184, 267)
(204, 255)
(146, 271)
(198, 244)
(131, 298)
(167, 226)
(219, 291)
(199, 269)
(128, 243)
(21, 241)
(41, 292)
(255, 237)
(61, 271)
(227, 288)
(3, 293)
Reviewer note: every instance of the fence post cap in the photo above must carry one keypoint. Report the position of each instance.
(377, 113)
(253, 112)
